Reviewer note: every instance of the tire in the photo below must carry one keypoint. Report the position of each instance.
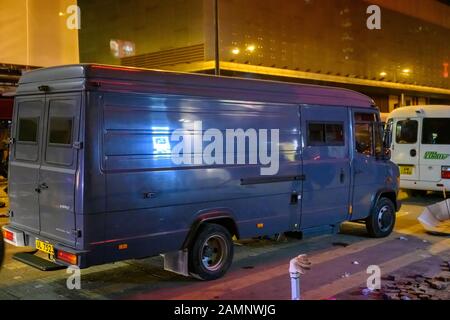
(381, 221)
(211, 253)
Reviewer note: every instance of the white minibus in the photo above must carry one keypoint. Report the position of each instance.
(421, 147)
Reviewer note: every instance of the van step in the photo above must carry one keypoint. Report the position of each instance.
(322, 230)
(37, 262)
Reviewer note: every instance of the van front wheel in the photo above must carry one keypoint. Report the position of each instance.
(211, 254)
(381, 222)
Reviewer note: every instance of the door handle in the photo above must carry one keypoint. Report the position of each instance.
(342, 177)
(413, 152)
(42, 186)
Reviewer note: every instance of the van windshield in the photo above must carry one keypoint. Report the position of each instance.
(436, 131)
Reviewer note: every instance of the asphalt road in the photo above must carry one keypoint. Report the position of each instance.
(259, 270)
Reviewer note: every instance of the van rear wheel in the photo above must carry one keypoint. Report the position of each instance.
(211, 254)
(381, 222)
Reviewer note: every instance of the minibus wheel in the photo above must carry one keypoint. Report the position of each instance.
(381, 222)
(211, 253)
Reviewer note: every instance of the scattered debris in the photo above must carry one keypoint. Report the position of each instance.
(341, 244)
(417, 287)
(390, 278)
(366, 291)
(355, 262)
(345, 275)
(403, 238)
(425, 241)
(436, 218)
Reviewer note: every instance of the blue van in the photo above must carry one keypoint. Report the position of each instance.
(93, 178)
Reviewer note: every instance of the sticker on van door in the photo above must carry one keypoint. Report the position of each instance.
(433, 155)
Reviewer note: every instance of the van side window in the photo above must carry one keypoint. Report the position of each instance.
(364, 138)
(60, 131)
(28, 129)
(406, 131)
(436, 131)
(365, 117)
(325, 134)
(368, 134)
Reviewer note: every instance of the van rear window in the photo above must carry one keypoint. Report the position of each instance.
(436, 131)
(28, 129)
(406, 131)
(326, 134)
(60, 131)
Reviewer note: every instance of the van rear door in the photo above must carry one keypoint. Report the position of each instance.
(407, 147)
(25, 162)
(58, 172)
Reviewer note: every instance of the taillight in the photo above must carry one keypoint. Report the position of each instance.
(8, 235)
(67, 257)
(445, 173)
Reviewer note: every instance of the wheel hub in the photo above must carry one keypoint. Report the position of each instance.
(214, 252)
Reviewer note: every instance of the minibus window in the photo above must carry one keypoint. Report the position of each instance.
(436, 131)
(28, 129)
(406, 131)
(60, 131)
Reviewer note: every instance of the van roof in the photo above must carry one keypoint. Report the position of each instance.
(114, 78)
(436, 111)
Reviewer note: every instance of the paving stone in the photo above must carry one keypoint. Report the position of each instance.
(437, 285)
(391, 296)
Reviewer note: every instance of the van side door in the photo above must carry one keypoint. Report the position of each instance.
(368, 172)
(326, 165)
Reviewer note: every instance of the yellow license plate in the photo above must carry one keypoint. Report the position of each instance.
(406, 170)
(44, 247)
